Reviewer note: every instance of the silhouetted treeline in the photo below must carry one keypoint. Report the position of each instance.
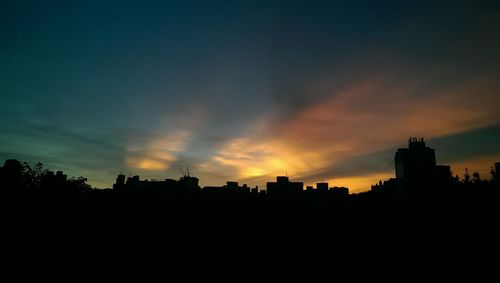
(20, 178)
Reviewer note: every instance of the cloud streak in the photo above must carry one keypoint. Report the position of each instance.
(159, 153)
(353, 124)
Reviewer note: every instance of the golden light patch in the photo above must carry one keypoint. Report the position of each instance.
(147, 163)
(361, 183)
(253, 172)
(152, 165)
(159, 153)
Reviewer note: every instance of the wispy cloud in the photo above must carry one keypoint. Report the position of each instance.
(354, 122)
(95, 156)
(159, 153)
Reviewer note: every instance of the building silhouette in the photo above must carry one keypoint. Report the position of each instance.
(186, 184)
(340, 192)
(283, 187)
(419, 181)
(416, 162)
(120, 182)
(231, 187)
(416, 172)
(322, 187)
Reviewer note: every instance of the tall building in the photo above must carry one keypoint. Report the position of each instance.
(283, 187)
(417, 162)
(120, 182)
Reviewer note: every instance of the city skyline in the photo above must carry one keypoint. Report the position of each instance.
(414, 166)
(248, 90)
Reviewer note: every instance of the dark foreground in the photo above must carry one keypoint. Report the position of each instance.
(122, 233)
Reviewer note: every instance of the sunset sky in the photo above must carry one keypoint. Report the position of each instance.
(247, 90)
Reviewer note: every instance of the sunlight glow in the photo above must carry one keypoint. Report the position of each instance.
(159, 153)
(151, 164)
(342, 127)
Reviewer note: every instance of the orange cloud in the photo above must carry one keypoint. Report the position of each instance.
(159, 153)
(151, 164)
(357, 120)
(371, 115)
(248, 158)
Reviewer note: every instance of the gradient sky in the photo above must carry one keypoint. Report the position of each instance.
(247, 90)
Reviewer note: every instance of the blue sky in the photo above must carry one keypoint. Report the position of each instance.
(246, 90)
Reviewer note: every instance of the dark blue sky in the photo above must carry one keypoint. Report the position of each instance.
(247, 90)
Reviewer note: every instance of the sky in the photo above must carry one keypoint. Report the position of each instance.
(248, 90)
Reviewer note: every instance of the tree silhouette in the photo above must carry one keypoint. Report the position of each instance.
(33, 175)
(466, 176)
(476, 178)
(79, 184)
(21, 177)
